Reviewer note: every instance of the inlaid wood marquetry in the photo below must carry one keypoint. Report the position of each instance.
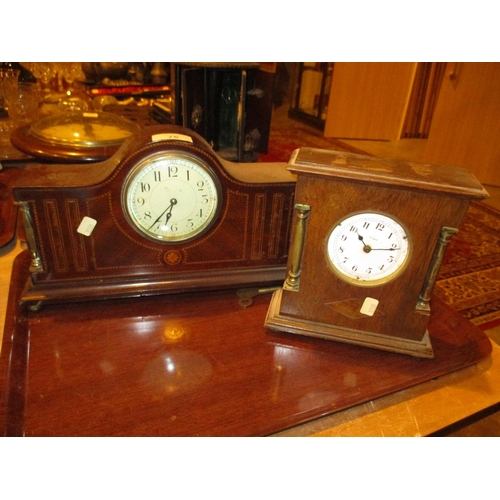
(246, 244)
(369, 235)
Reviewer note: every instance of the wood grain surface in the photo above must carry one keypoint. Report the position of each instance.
(193, 365)
(247, 242)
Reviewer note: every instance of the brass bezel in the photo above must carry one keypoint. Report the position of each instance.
(376, 282)
(143, 163)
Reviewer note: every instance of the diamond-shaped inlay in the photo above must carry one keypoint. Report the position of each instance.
(351, 308)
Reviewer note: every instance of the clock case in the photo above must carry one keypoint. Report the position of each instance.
(430, 201)
(247, 244)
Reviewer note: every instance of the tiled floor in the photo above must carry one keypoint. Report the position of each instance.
(413, 149)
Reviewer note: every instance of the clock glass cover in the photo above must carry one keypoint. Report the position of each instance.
(74, 136)
(171, 197)
(83, 129)
(368, 249)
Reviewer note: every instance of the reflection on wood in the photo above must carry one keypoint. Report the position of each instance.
(193, 364)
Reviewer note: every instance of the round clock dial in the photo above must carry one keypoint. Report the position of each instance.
(171, 197)
(368, 249)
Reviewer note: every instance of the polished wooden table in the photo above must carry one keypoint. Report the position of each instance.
(422, 409)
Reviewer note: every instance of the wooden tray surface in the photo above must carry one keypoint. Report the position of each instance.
(8, 211)
(194, 364)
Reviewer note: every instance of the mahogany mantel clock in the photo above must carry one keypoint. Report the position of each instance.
(164, 214)
(367, 242)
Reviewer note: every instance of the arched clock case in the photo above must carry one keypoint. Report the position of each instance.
(164, 214)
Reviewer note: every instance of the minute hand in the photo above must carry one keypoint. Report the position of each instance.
(167, 211)
(385, 249)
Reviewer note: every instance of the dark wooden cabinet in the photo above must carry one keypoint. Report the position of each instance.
(311, 91)
(228, 104)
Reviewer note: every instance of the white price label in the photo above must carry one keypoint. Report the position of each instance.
(369, 306)
(171, 137)
(87, 226)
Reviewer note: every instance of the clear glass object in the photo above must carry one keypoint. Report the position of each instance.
(20, 98)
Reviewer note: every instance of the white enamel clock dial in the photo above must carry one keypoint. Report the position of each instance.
(171, 197)
(368, 249)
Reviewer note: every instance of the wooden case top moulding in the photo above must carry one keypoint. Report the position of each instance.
(246, 242)
(368, 239)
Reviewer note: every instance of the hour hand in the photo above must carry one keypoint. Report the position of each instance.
(173, 202)
(366, 248)
(167, 211)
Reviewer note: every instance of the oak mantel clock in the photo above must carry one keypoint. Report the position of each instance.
(368, 238)
(163, 214)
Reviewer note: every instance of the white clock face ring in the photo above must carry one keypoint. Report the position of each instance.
(368, 249)
(171, 197)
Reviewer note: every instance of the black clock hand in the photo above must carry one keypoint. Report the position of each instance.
(167, 211)
(366, 248)
(173, 202)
